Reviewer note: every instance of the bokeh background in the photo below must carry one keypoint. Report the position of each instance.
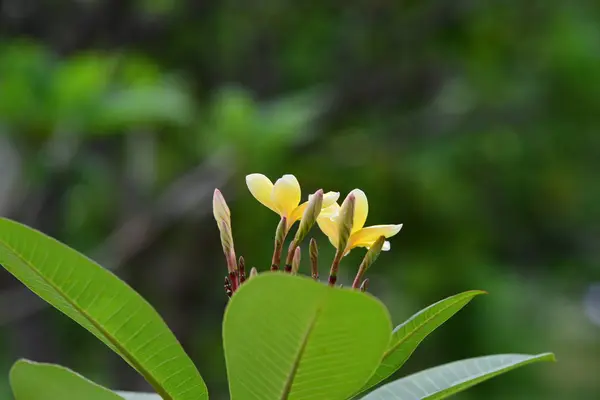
(474, 123)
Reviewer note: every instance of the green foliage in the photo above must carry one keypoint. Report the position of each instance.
(36, 381)
(285, 337)
(288, 337)
(407, 336)
(474, 123)
(102, 304)
(447, 380)
(90, 94)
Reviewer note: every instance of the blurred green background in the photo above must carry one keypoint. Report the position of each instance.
(474, 123)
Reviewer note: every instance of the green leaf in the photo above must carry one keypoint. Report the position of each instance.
(104, 305)
(36, 381)
(407, 336)
(139, 396)
(289, 337)
(446, 380)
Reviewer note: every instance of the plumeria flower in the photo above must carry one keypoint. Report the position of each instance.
(360, 236)
(284, 196)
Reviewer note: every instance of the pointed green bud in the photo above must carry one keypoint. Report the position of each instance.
(242, 269)
(369, 259)
(313, 209)
(314, 259)
(346, 221)
(345, 224)
(365, 285)
(223, 218)
(296, 260)
(253, 273)
(280, 235)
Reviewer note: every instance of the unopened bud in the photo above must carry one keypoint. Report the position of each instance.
(220, 208)
(312, 211)
(345, 224)
(296, 260)
(242, 269)
(290, 256)
(280, 234)
(223, 218)
(314, 259)
(346, 221)
(369, 259)
(253, 273)
(365, 285)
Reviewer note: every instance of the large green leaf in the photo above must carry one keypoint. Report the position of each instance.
(36, 381)
(104, 305)
(446, 380)
(407, 336)
(289, 337)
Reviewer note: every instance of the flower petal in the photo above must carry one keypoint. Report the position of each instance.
(286, 194)
(329, 228)
(329, 198)
(361, 210)
(386, 246)
(367, 236)
(297, 213)
(330, 212)
(261, 188)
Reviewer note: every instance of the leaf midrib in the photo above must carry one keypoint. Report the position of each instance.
(124, 352)
(296, 364)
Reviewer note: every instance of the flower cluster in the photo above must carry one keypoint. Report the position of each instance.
(342, 224)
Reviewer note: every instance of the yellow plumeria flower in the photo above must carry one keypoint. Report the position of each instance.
(284, 196)
(360, 236)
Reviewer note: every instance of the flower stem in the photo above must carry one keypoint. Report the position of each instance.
(290, 256)
(234, 279)
(335, 265)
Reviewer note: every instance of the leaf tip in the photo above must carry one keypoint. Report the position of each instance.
(551, 357)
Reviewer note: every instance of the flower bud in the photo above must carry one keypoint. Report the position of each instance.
(365, 285)
(223, 217)
(253, 273)
(346, 221)
(369, 259)
(280, 234)
(312, 211)
(242, 269)
(296, 260)
(314, 259)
